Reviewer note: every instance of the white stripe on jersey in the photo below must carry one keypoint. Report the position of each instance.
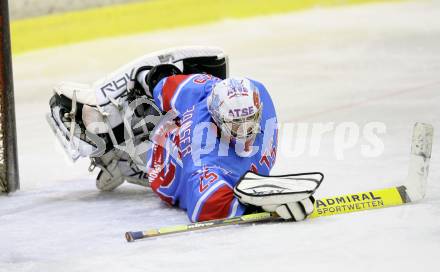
(234, 208)
(206, 195)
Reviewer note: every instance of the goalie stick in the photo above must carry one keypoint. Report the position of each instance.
(412, 190)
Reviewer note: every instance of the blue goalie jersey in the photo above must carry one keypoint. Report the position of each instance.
(191, 165)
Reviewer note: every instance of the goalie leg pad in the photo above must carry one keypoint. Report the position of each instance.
(107, 182)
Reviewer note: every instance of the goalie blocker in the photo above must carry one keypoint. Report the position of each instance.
(290, 196)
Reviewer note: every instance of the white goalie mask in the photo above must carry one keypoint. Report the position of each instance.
(236, 108)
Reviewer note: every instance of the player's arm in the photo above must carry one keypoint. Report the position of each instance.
(180, 92)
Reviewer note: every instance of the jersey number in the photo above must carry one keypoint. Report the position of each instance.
(206, 179)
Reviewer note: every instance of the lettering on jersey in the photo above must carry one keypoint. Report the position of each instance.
(234, 113)
(205, 179)
(161, 174)
(254, 168)
(202, 79)
(185, 132)
(265, 161)
(268, 157)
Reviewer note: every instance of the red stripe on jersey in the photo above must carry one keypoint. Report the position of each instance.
(217, 205)
(172, 83)
(161, 178)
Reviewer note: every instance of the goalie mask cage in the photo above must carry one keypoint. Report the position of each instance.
(8, 147)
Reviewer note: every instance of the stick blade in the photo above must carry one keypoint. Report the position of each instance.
(421, 148)
(422, 140)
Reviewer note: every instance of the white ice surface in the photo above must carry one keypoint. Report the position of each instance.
(363, 63)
